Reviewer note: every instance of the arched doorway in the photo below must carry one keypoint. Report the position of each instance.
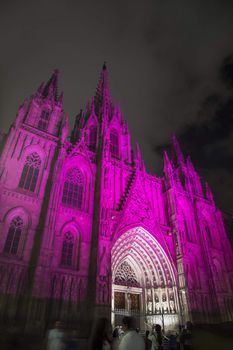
(143, 281)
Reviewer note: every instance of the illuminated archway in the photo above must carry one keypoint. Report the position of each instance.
(143, 280)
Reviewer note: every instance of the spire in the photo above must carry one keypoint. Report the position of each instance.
(78, 124)
(138, 152)
(118, 112)
(102, 96)
(64, 129)
(168, 166)
(51, 87)
(61, 98)
(194, 178)
(138, 158)
(177, 149)
(40, 89)
(190, 164)
(209, 194)
(21, 112)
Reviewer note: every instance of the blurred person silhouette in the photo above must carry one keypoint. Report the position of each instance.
(148, 342)
(101, 338)
(156, 337)
(55, 339)
(186, 336)
(116, 338)
(131, 340)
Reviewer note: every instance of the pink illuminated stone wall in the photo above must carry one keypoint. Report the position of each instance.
(66, 203)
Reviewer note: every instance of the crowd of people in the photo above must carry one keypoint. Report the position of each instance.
(123, 337)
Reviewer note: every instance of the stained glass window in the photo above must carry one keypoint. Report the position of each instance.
(30, 172)
(67, 249)
(13, 236)
(44, 120)
(114, 144)
(73, 189)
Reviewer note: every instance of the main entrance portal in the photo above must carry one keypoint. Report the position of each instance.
(144, 284)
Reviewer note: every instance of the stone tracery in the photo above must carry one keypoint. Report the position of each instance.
(138, 251)
(125, 275)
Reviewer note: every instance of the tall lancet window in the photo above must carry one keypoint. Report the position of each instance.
(73, 189)
(30, 172)
(93, 138)
(207, 229)
(187, 230)
(114, 144)
(13, 236)
(44, 120)
(67, 249)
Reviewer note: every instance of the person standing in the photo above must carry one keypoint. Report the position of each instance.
(131, 340)
(156, 338)
(186, 337)
(56, 337)
(115, 339)
(148, 342)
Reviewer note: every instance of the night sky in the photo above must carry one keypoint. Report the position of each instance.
(170, 65)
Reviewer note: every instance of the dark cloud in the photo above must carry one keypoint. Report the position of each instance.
(226, 71)
(209, 140)
(163, 59)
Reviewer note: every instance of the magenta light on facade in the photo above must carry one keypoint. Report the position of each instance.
(84, 226)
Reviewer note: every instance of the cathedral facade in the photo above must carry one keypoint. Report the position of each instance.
(86, 231)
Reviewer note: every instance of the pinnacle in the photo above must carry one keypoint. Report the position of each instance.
(102, 95)
(51, 86)
(177, 149)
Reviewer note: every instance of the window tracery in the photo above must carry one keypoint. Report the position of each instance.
(44, 120)
(126, 276)
(13, 236)
(30, 172)
(73, 189)
(67, 249)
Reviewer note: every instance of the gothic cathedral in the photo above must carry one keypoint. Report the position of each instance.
(86, 231)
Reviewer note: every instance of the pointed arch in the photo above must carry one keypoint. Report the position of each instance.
(92, 137)
(69, 246)
(206, 227)
(13, 236)
(73, 188)
(140, 246)
(30, 173)
(150, 284)
(16, 223)
(126, 275)
(44, 120)
(67, 249)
